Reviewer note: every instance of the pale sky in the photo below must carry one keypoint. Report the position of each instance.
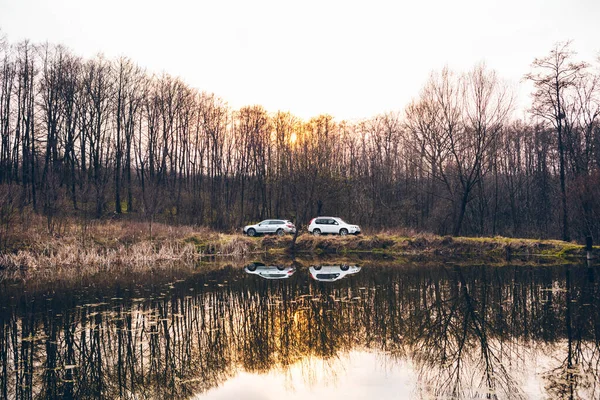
(351, 59)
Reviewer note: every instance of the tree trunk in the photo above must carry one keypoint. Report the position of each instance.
(461, 213)
(565, 217)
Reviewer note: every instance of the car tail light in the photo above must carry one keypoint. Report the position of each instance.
(311, 221)
(290, 225)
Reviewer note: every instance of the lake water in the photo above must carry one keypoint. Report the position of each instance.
(318, 330)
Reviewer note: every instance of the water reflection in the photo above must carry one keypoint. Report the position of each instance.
(331, 273)
(464, 332)
(279, 271)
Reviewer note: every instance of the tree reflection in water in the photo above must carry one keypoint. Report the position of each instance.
(469, 332)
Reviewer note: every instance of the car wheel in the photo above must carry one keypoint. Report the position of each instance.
(251, 267)
(316, 232)
(343, 232)
(281, 267)
(280, 232)
(251, 232)
(345, 267)
(318, 267)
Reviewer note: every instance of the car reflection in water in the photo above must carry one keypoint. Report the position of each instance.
(330, 273)
(270, 271)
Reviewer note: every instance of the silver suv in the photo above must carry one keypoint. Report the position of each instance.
(334, 225)
(270, 271)
(278, 226)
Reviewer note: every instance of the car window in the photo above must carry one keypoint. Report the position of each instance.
(321, 221)
(327, 276)
(276, 222)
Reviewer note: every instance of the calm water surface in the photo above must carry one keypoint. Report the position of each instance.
(334, 331)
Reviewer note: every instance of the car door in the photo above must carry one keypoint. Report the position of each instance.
(334, 226)
(322, 224)
(263, 227)
(327, 224)
(274, 225)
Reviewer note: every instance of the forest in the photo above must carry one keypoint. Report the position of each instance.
(104, 138)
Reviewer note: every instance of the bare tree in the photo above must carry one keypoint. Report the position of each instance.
(487, 104)
(129, 92)
(454, 125)
(553, 77)
(97, 93)
(7, 74)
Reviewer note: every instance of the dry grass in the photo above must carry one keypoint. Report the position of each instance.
(68, 258)
(405, 242)
(111, 246)
(120, 246)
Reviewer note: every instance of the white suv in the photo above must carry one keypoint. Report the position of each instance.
(330, 273)
(335, 225)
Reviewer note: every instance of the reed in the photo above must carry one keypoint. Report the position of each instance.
(110, 246)
(117, 246)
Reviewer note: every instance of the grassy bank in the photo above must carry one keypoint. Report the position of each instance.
(393, 243)
(109, 246)
(124, 246)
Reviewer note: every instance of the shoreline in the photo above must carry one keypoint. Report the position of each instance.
(126, 247)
